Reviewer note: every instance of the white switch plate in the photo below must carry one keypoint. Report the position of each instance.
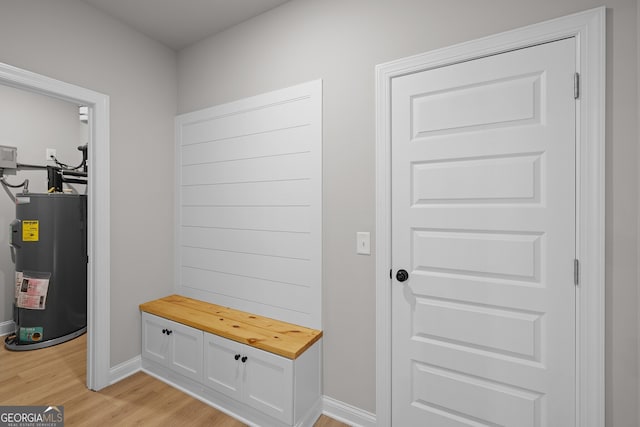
(363, 240)
(51, 152)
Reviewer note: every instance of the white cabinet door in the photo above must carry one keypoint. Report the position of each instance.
(254, 377)
(223, 365)
(173, 345)
(268, 383)
(155, 342)
(186, 350)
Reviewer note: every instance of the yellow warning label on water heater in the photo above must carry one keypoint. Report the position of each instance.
(30, 231)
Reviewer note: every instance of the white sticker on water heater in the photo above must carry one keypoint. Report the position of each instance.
(31, 290)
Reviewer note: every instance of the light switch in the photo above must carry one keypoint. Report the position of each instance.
(363, 240)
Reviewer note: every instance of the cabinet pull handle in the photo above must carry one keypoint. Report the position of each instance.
(237, 356)
(244, 359)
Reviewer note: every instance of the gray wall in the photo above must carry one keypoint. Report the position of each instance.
(73, 42)
(32, 123)
(341, 41)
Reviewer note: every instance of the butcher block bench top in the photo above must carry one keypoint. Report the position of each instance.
(285, 339)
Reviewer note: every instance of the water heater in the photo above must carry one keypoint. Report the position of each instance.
(49, 245)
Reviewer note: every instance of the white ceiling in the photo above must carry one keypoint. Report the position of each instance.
(179, 23)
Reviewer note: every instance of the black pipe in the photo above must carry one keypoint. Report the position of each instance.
(54, 179)
(73, 173)
(74, 180)
(56, 176)
(33, 167)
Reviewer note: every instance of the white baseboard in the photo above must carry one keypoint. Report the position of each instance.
(7, 327)
(125, 369)
(347, 414)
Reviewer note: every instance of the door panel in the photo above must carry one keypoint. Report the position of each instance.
(155, 343)
(506, 101)
(483, 218)
(186, 350)
(484, 184)
(268, 384)
(222, 365)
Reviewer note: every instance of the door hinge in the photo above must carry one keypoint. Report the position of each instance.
(576, 272)
(576, 85)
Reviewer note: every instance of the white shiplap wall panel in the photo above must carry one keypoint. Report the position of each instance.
(277, 168)
(277, 269)
(283, 219)
(259, 242)
(247, 288)
(270, 193)
(270, 117)
(249, 206)
(266, 144)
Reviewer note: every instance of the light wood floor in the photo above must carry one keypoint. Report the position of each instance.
(56, 376)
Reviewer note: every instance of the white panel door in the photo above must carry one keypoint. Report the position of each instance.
(483, 221)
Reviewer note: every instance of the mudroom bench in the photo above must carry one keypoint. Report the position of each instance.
(260, 370)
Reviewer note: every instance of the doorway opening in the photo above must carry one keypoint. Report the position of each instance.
(98, 201)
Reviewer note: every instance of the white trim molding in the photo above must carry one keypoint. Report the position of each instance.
(588, 28)
(125, 369)
(7, 327)
(347, 414)
(98, 238)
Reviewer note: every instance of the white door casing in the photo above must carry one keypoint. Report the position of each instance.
(483, 218)
(98, 213)
(587, 29)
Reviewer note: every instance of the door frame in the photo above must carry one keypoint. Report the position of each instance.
(588, 28)
(98, 211)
